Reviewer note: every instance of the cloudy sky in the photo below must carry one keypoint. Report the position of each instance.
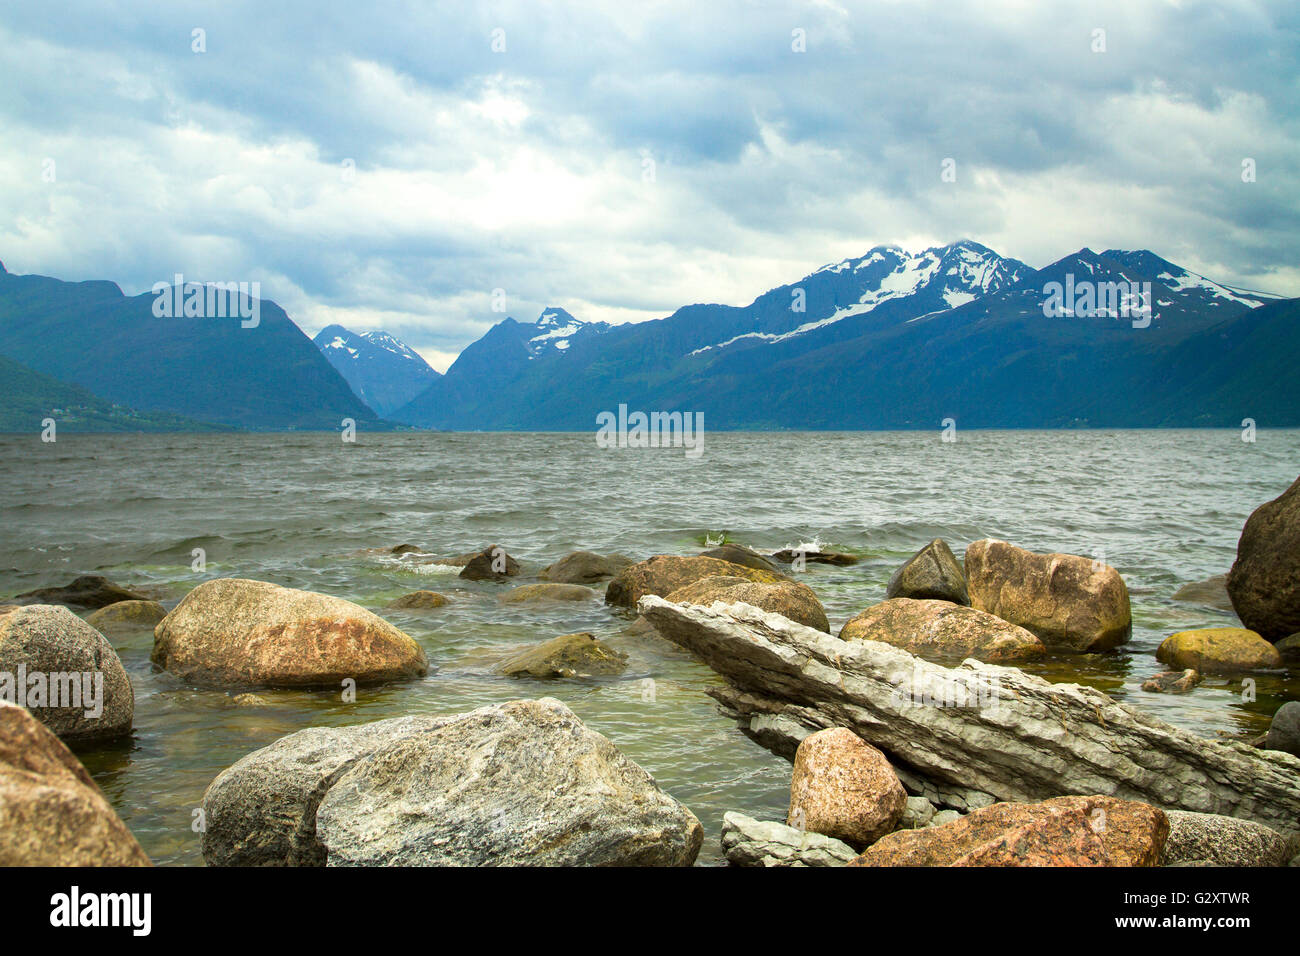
(388, 165)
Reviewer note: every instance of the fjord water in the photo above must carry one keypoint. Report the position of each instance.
(303, 509)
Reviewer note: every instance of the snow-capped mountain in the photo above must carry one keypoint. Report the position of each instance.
(555, 330)
(383, 371)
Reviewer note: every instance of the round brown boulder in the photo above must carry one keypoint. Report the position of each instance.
(127, 616)
(531, 593)
(584, 567)
(665, 573)
(943, 630)
(51, 812)
(570, 655)
(1070, 602)
(844, 788)
(234, 632)
(791, 599)
(1264, 582)
(1219, 650)
(65, 673)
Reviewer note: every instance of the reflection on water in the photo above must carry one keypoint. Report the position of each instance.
(1164, 507)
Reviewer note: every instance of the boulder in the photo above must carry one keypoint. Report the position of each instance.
(490, 564)
(584, 567)
(1071, 603)
(793, 599)
(750, 842)
(532, 593)
(918, 813)
(65, 673)
(418, 601)
(943, 630)
(1284, 730)
(1212, 592)
(933, 573)
(739, 554)
(1289, 648)
(520, 783)
(1033, 740)
(1172, 682)
(401, 549)
(1222, 841)
(571, 655)
(51, 812)
(127, 616)
(844, 788)
(89, 590)
(1219, 650)
(1064, 831)
(788, 556)
(665, 573)
(231, 631)
(1264, 582)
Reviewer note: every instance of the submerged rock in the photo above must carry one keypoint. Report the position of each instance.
(1264, 582)
(231, 631)
(793, 599)
(1028, 740)
(1070, 602)
(1289, 648)
(1212, 592)
(418, 601)
(1222, 841)
(1172, 682)
(749, 842)
(127, 616)
(739, 554)
(531, 593)
(584, 567)
(570, 655)
(65, 673)
(490, 564)
(942, 629)
(788, 556)
(843, 787)
(51, 812)
(665, 573)
(933, 573)
(1064, 831)
(89, 590)
(521, 783)
(1219, 650)
(1284, 730)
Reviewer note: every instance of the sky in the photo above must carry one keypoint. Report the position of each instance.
(393, 165)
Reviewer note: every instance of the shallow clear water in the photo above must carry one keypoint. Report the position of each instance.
(1164, 507)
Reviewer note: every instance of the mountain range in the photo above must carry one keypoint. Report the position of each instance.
(890, 339)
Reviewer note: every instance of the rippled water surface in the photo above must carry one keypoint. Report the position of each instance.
(1164, 507)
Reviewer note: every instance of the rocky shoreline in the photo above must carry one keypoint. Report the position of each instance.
(914, 736)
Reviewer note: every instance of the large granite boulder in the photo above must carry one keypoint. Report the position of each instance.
(1071, 603)
(1219, 650)
(51, 812)
(793, 599)
(1264, 582)
(126, 616)
(89, 591)
(739, 554)
(844, 788)
(750, 842)
(933, 573)
(570, 655)
(65, 673)
(521, 783)
(943, 630)
(1223, 841)
(1064, 831)
(584, 567)
(234, 632)
(665, 573)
